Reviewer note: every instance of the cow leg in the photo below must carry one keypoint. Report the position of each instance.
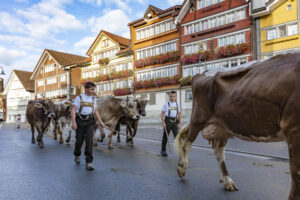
(110, 146)
(118, 137)
(118, 128)
(183, 150)
(95, 127)
(32, 131)
(219, 146)
(40, 137)
(129, 140)
(54, 129)
(69, 135)
(61, 127)
(102, 135)
(294, 154)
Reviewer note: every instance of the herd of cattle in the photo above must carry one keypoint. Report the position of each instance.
(114, 113)
(258, 103)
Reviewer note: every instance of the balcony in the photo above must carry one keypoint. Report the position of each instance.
(169, 57)
(194, 58)
(232, 50)
(158, 82)
(108, 77)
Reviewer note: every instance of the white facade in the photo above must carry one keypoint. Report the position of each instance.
(17, 99)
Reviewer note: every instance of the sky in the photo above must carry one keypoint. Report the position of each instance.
(27, 27)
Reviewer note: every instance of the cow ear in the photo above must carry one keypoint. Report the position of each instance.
(147, 101)
(123, 104)
(38, 105)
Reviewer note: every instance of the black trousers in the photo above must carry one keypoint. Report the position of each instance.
(171, 126)
(84, 132)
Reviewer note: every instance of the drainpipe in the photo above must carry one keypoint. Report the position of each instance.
(178, 26)
(69, 84)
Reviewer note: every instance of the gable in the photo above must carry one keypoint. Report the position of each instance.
(104, 42)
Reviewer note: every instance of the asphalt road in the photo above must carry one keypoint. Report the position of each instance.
(28, 172)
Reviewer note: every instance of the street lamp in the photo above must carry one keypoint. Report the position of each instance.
(2, 72)
(202, 56)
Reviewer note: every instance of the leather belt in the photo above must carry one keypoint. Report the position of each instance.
(84, 117)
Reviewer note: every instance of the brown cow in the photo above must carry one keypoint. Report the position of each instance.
(39, 114)
(132, 124)
(63, 118)
(259, 103)
(111, 110)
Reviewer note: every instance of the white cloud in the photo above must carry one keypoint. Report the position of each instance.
(175, 2)
(121, 4)
(9, 56)
(10, 24)
(114, 21)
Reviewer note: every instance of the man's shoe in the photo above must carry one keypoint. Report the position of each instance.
(163, 153)
(90, 166)
(77, 159)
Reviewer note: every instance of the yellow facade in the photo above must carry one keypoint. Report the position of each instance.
(102, 48)
(279, 30)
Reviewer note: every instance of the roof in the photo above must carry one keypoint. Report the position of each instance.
(65, 59)
(125, 51)
(61, 58)
(118, 39)
(24, 77)
(157, 11)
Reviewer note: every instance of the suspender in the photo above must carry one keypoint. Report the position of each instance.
(86, 104)
(170, 110)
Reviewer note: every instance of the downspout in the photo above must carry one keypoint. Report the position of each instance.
(69, 84)
(178, 26)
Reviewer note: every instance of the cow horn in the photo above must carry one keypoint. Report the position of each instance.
(67, 103)
(38, 105)
(123, 104)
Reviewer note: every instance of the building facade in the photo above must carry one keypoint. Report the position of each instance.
(277, 27)
(53, 77)
(18, 91)
(111, 66)
(155, 42)
(214, 34)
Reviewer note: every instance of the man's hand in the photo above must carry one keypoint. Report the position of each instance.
(179, 126)
(74, 125)
(164, 125)
(102, 125)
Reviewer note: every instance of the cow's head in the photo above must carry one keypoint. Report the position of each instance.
(129, 107)
(48, 108)
(141, 105)
(67, 108)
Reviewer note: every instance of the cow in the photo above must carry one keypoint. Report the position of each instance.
(39, 114)
(63, 118)
(258, 103)
(111, 110)
(131, 124)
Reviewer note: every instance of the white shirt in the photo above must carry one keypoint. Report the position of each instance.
(85, 110)
(173, 110)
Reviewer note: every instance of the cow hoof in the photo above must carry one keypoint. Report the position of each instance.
(110, 147)
(100, 140)
(118, 140)
(41, 145)
(180, 171)
(61, 142)
(130, 144)
(32, 141)
(55, 138)
(230, 186)
(68, 141)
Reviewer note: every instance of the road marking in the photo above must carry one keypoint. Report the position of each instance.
(230, 151)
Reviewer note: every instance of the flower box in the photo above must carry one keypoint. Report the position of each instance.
(173, 56)
(231, 50)
(107, 77)
(158, 82)
(103, 61)
(122, 92)
(185, 81)
(194, 58)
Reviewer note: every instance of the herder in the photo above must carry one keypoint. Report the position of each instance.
(83, 120)
(171, 120)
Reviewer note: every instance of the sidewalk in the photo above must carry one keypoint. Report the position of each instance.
(145, 121)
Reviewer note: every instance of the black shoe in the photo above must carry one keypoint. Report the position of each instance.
(163, 153)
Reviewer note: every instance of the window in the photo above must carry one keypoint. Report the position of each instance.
(162, 28)
(188, 96)
(152, 99)
(155, 29)
(138, 35)
(292, 29)
(152, 51)
(63, 78)
(232, 39)
(51, 80)
(271, 34)
(40, 82)
(289, 7)
(49, 68)
(168, 26)
(241, 14)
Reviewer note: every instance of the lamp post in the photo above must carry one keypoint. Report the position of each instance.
(202, 56)
(2, 71)
(132, 92)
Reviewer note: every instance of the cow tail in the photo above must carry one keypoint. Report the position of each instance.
(178, 140)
